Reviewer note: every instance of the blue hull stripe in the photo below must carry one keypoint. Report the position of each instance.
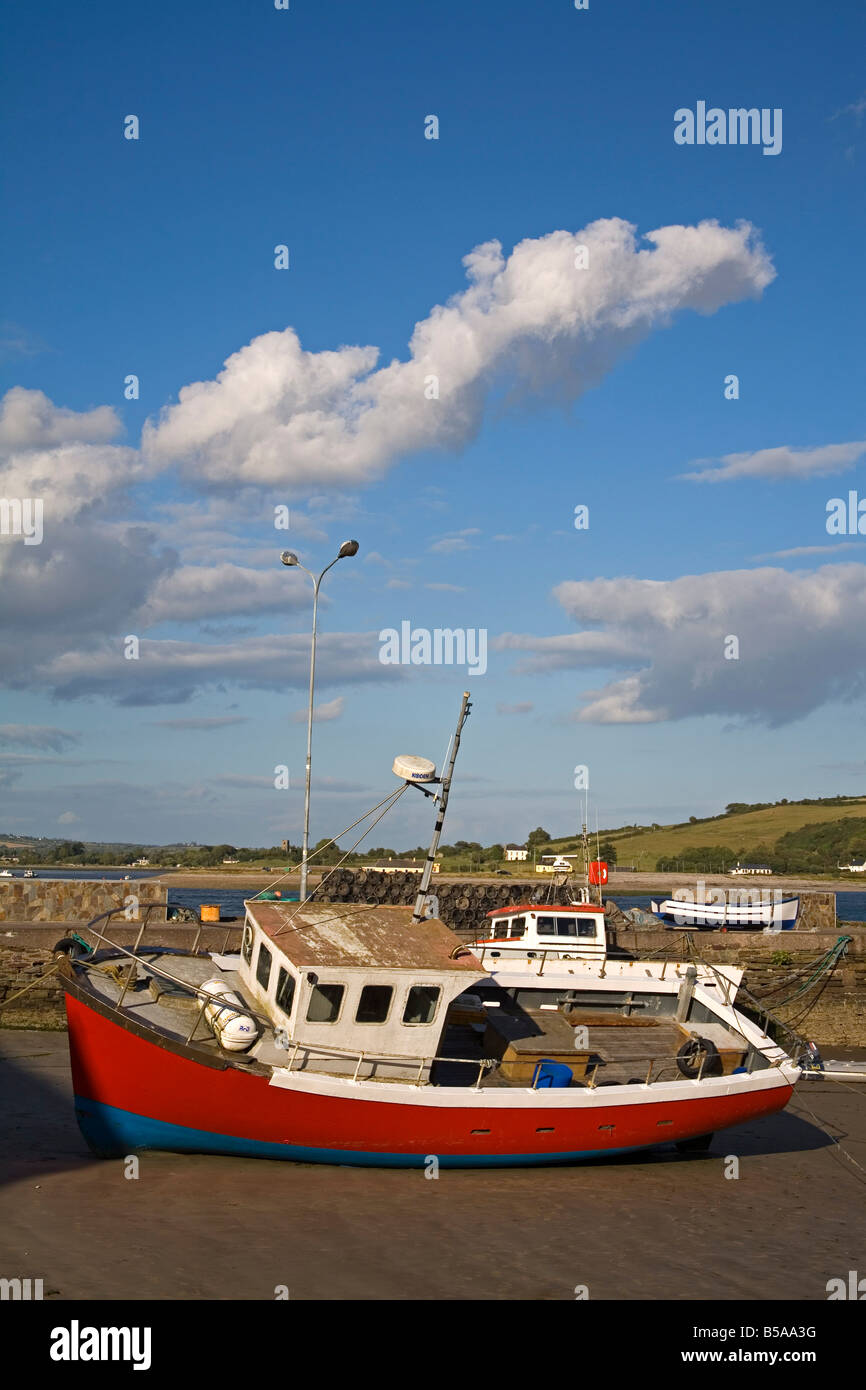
(113, 1133)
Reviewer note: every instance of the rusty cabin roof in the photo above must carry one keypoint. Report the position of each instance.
(332, 934)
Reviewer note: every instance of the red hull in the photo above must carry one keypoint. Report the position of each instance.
(142, 1094)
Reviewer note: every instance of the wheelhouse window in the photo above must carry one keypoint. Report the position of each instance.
(586, 928)
(421, 1004)
(325, 1003)
(285, 990)
(518, 927)
(247, 943)
(557, 926)
(263, 966)
(374, 1004)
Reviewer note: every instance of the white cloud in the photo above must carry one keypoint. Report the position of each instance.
(449, 545)
(91, 570)
(799, 550)
(455, 541)
(219, 526)
(16, 341)
(200, 591)
(854, 108)
(279, 414)
(781, 462)
(170, 672)
(206, 722)
(801, 634)
(67, 818)
(282, 417)
(322, 714)
(41, 736)
(245, 781)
(62, 456)
(28, 420)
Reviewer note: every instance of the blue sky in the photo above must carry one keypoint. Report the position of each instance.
(306, 128)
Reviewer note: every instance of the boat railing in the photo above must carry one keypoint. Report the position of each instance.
(409, 1061)
(657, 1068)
(204, 995)
(797, 1044)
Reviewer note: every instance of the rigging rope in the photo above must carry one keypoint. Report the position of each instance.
(38, 981)
(392, 797)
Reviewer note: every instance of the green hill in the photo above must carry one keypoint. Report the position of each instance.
(796, 835)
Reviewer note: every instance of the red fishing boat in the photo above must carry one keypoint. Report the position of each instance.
(368, 1042)
(371, 1035)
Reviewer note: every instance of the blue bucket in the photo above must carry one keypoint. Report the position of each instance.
(553, 1074)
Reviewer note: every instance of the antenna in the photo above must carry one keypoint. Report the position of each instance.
(598, 855)
(465, 707)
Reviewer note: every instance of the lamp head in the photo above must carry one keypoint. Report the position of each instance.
(289, 557)
(347, 548)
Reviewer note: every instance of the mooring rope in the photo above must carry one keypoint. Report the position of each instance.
(830, 1136)
(824, 964)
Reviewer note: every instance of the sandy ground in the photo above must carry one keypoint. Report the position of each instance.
(654, 1226)
(253, 880)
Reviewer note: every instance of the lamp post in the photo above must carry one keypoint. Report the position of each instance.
(288, 557)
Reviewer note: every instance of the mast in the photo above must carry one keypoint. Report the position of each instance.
(586, 862)
(465, 707)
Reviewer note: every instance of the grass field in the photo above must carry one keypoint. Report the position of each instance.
(744, 831)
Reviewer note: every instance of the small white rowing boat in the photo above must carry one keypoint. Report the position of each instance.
(764, 910)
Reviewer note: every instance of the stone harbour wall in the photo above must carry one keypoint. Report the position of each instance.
(27, 954)
(77, 900)
(817, 911)
(832, 1012)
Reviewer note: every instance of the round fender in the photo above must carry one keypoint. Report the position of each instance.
(697, 1050)
(70, 946)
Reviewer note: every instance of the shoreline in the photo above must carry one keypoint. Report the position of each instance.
(639, 884)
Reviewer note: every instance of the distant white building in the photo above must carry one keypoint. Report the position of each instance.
(516, 852)
(401, 866)
(854, 868)
(749, 869)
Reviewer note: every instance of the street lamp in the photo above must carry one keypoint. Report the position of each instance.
(289, 558)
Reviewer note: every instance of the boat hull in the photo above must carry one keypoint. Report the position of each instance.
(135, 1089)
(735, 917)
